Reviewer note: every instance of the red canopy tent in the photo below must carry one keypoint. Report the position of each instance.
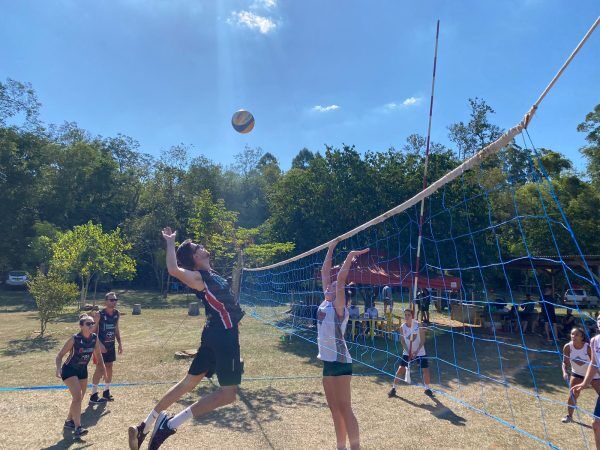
(375, 269)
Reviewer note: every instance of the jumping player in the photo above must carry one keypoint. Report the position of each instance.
(219, 350)
(590, 380)
(74, 373)
(577, 355)
(107, 328)
(413, 349)
(332, 318)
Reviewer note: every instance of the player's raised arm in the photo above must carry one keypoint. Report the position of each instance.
(189, 277)
(326, 269)
(340, 290)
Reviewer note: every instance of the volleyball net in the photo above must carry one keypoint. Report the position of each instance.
(497, 255)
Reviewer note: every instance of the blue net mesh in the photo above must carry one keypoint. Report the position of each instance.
(490, 237)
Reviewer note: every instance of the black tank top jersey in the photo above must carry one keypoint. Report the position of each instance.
(82, 350)
(108, 326)
(222, 310)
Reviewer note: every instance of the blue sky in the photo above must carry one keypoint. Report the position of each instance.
(313, 72)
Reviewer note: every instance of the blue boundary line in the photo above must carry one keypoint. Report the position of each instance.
(59, 387)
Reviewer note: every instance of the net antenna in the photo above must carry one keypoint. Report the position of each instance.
(426, 164)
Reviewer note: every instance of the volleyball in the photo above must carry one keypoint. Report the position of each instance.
(242, 121)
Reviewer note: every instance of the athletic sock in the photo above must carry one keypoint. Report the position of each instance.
(426, 386)
(94, 389)
(107, 386)
(176, 421)
(150, 421)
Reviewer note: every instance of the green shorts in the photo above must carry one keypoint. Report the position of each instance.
(336, 369)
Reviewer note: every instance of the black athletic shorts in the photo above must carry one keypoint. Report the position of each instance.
(110, 355)
(219, 353)
(575, 375)
(336, 369)
(74, 371)
(423, 361)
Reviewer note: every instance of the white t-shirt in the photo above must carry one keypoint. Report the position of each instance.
(407, 333)
(330, 334)
(372, 313)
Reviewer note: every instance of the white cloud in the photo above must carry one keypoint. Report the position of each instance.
(253, 21)
(265, 4)
(323, 109)
(412, 101)
(396, 106)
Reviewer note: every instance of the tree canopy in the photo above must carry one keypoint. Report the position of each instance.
(87, 205)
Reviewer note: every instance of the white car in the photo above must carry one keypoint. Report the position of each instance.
(17, 278)
(581, 298)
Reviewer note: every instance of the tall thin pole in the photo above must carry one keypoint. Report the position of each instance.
(419, 241)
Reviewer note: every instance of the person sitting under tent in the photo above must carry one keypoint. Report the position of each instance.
(526, 316)
(568, 322)
(372, 312)
(354, 311)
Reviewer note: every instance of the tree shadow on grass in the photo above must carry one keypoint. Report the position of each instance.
(261, 406)
(12, 302)
(437, 410)
(18, 347)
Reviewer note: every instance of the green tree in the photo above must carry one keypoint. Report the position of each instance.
(302, 159)
(478, 132)
(591, 126)
(51, 293)
(39, 253)
(213, 225)
(16, 99)
(554, 163)
(88, 252)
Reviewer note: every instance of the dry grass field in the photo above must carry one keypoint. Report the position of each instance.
(281, 403)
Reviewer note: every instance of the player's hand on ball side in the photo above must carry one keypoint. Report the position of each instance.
(168, 234)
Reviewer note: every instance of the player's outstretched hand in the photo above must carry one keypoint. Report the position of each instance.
(169, 234)
(355, 253)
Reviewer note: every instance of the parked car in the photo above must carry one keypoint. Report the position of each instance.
(17, 279)
(580, 297)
